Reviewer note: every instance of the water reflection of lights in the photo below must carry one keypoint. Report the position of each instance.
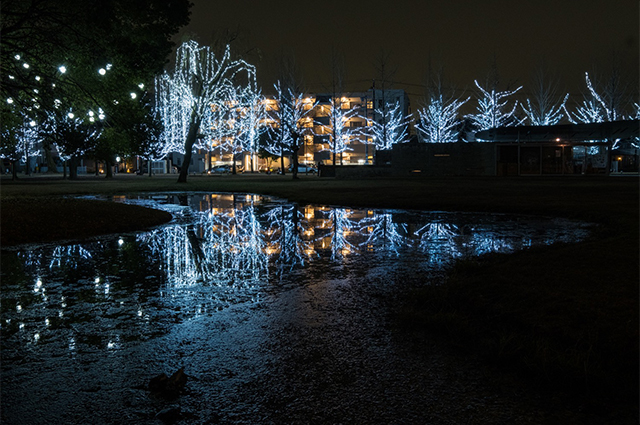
(224, 249)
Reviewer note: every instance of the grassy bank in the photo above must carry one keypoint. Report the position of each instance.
(46, 219)
(565, 316)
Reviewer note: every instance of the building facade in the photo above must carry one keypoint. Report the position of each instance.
(357, 110)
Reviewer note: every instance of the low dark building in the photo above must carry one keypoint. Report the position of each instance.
(528, 150)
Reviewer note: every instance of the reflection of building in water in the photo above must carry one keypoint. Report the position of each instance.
(219, 253)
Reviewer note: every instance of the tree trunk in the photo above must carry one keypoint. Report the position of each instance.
(108, 168)
(294, 158)
(149, 163)
(73, 168)
(233, 168)
(194, 126)
(27, 169)
(52, 167)
(335, 144)
(14, 171)
(282, 162)
(64, 169)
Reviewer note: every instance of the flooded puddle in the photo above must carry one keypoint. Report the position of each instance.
(85, 326)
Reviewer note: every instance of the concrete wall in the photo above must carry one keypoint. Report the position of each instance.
(355, 171)
(444, 159)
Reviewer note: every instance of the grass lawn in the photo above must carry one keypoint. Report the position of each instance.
(566, 316)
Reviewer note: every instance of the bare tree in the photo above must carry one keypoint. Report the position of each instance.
(493, 108)
(385, 74)
(184, 97)
(440, 120)
(545, 107)
(293, 112)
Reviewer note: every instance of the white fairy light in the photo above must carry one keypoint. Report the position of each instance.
(337, 127)
(25, 65)
(133, 95)
(491, 109)
(440, 120)
(391, 128)
(102, 71)
(185, 96)
(540, 114)
(9, 101)
(291, 113)
(62, 69)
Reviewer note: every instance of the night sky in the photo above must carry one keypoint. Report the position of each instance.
(463, 37)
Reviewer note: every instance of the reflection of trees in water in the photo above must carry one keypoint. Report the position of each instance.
(220, 252)
(382, 233)
(227, 249)
(334, 231)
(440, 242)
(486, 242)
(69, 256)
(285, 235)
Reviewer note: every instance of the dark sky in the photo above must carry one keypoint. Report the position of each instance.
(463, 37)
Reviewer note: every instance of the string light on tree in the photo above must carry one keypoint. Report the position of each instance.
(390, 128)
(492, 109)
(440, 120)
(184, 96)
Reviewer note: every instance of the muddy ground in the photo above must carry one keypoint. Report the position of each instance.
(313, 352)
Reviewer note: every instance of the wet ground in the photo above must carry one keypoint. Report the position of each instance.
(262, 341)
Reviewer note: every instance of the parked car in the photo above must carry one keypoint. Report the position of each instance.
(220, 169)
(304, 169)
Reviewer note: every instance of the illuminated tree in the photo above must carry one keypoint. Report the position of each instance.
(543, 108)
(293, 115)
(338, 127)
(72, 133)
(493, 110)
(253, 123)
(146, 138)
(390, 127)
(237, 123)
(608, 105)
(63, 49)
(21, 138)
(439, 119)
(185, 96)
